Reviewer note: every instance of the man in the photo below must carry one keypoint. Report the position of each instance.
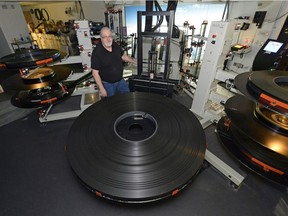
(107, 65)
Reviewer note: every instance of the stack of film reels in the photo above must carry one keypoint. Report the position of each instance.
(36, 84)
(255, 129)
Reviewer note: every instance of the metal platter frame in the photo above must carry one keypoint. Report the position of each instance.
(136, 147)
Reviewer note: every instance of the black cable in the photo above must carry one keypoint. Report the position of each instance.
(38, 14)
(279, 17)
(161, 17)
(148, 19)
(81, 11)
(172, 5)
(228, 9)
(47, 15)
(41, 23)
(229, 83)
(157, 9)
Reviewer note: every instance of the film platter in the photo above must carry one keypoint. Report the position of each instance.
(136, 147)
(41, 86)
(255, 129)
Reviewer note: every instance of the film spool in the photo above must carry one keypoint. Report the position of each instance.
(41, 97)
(38, 75)
(271, 83)
(46, 76)
(241, 112)
(268, 88)
(255, 130)
(136, 147)
(273, 120)
(251, 154)
(31, 58)
(260, 147)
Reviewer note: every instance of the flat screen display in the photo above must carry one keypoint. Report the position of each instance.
(273, 46)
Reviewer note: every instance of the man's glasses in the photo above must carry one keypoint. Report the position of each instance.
(104, 37)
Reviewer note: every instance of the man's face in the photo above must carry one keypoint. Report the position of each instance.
(106, 38)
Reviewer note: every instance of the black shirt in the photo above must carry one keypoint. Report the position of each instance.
(109, 64)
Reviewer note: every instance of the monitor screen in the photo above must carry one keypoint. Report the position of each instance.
(273, 46)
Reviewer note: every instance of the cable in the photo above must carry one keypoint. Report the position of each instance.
(47, 15)
(38, 14)
(81, 10)
(172, 5)
(161, 17)
(278, 17)
(226, 8)
(148, 19)
(282, 6)
(229, 83)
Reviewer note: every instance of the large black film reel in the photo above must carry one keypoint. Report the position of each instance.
(255, 129)
(257, 146)
(31, 58)
(136, 147)
(268, 88)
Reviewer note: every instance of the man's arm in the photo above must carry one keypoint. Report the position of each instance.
(98, 80)
(127, 58)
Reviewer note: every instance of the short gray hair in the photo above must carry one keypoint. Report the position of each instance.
(104, 29)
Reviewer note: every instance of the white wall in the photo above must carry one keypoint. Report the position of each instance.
(254, 37)
(274, 10)
(93, 10)
(12, 24)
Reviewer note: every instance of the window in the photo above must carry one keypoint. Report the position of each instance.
(194, 13)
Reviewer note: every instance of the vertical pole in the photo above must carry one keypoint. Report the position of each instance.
(139, 44)
(120, 26)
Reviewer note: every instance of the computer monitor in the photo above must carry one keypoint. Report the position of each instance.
(268, 54)
(273, 46)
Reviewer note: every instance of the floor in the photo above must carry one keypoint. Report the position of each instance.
(36, 179)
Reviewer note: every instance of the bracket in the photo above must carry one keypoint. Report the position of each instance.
(226, 170)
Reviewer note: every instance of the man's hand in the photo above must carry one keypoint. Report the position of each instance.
(128, 59)
(99, 83)
(103, 93)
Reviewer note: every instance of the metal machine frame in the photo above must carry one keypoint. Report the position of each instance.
(46, 115)
(226, 170)
(142, 34)
(85, 91)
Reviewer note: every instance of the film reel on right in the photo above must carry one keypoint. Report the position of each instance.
(255, 129)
